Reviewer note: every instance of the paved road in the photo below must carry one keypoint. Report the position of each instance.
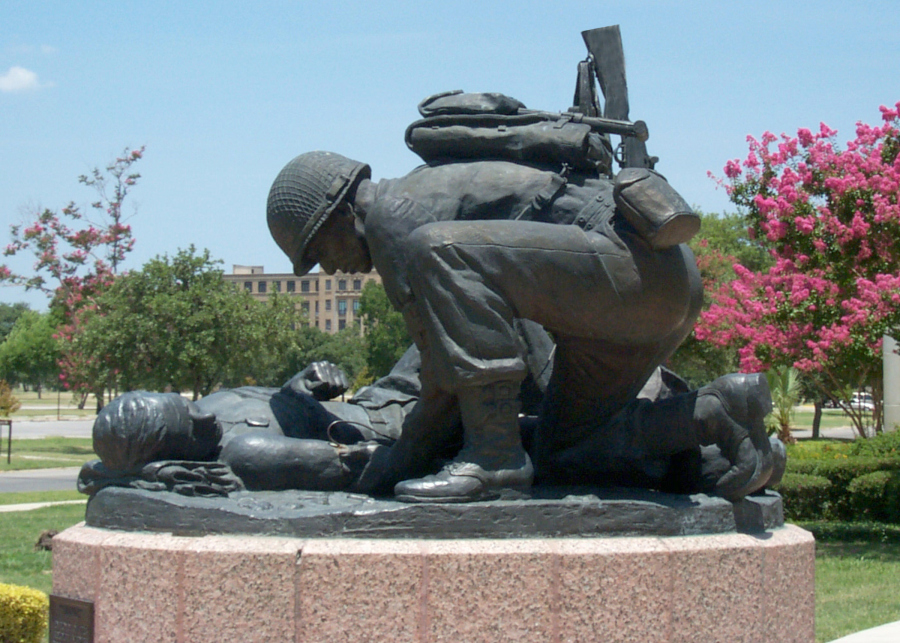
(43, 479)
(47, 428)
(39, 480)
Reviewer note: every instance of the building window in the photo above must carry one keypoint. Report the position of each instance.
(327, 324)
(356, 306)
(261, 287)
(317, 306)
(342, 324)
(357, 284)
(327, 304)
(342, 284)
(304, 285)
(248, 286)
(276, 286)
(328, 284)
(305, 307)
(342, 307)
(292, 286)
(317, 285)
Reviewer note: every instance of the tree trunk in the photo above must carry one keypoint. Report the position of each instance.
(878, 404)
(817, 419)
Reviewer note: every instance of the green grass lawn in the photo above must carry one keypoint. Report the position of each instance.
(831, 419)
(44, 453)
(857, 587)
(21, 497)
(19, 531)
(49, 404)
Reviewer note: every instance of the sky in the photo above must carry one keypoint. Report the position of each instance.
(223, 94)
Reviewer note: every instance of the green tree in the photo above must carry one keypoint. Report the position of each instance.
(386, 335)
(30, 353)
(176, 323)
(9, 313)
(345, 348)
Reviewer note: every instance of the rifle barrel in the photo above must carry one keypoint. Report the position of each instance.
(636, 129)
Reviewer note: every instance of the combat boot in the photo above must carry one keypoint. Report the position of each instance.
(492, 458)
(730, 413)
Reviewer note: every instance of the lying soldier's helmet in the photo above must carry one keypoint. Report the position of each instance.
(304, 193)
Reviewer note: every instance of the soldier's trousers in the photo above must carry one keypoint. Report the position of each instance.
(615, 307)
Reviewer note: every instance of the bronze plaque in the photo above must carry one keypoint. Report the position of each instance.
(71, 620)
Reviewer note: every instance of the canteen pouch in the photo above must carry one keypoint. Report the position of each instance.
(653, 207)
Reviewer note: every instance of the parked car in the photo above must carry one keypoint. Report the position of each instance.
(862, 401)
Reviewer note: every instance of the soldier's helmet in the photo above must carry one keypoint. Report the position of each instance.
(304, 194)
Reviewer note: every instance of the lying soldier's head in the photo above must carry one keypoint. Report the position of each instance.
(141, 427)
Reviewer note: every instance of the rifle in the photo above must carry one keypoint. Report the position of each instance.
(606, 59)
(601, 125)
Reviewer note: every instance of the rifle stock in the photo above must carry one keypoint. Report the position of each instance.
(608, 60)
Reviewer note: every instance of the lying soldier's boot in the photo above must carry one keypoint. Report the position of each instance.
(779, 456)
(729, 413)
(492, 458)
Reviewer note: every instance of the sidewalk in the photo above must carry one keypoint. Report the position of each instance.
(889, 633)
(28, 506)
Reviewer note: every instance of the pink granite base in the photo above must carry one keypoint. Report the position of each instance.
(158, 587)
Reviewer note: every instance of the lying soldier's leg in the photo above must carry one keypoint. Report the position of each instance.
(727, 413)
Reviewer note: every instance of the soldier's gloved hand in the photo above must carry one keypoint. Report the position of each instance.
(322, 380)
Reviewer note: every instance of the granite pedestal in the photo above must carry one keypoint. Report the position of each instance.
(156, 586)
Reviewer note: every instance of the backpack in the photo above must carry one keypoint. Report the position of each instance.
(460, 126)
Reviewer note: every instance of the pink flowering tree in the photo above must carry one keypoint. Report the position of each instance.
(77, 256)
(830, 217)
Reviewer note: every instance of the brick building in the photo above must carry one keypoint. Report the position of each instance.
(330, 302)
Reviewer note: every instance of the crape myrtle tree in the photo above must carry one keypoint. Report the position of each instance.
(722, 242)
(830, 217)
(77, 256)
(177, 324)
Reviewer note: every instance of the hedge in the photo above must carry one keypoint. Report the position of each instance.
(885, 444)
(861, 488)
(805, 497)
(23, 614)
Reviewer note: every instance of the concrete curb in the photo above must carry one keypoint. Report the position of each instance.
(28, 506)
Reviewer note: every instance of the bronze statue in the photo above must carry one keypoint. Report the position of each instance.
(516, 225)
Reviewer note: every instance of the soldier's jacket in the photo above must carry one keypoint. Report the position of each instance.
(479, 190)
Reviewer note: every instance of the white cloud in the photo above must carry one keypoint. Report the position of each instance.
(18, 79)
(48, 50)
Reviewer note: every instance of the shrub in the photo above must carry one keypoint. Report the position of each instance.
(840, 503)
(23, 614)
(838, 531)
(885, 444)
(805, 497)
(874, 496)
